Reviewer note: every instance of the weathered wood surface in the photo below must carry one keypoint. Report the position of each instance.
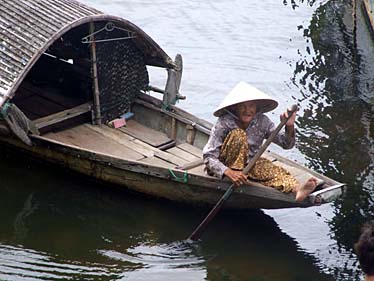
(63, 115)
(191, 149)
(155, 161)
(85, 138)
(178, 111)
(150, 136)
(179, 114)
(96, 89)
(191, 165)
(115, 142)
(182, 154)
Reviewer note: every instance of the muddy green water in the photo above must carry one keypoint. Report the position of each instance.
(57, 225)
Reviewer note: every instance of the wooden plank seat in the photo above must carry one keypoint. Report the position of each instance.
(147, 135)
(62, 115)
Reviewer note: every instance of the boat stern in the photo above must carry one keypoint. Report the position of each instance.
(327, 195)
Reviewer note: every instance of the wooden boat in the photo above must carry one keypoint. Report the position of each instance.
(67, 71)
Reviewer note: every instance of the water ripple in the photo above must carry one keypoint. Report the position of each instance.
(161, 262)
(25, 264)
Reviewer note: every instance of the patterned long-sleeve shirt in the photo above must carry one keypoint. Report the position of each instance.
(258, 130)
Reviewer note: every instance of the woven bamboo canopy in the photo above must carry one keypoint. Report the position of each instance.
(31, 28)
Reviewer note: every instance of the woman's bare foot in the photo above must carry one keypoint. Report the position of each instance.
(303, 191)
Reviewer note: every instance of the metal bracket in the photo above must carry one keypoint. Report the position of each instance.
(108, 27)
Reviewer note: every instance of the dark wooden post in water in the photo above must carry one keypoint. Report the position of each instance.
(97, 111)
(196, 234)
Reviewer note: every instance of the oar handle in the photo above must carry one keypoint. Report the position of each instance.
(252, 162)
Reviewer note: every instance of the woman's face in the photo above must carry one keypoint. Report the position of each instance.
(246, 111)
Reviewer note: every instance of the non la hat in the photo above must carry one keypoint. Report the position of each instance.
(244, 92)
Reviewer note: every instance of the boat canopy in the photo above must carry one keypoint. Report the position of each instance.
(65, 30)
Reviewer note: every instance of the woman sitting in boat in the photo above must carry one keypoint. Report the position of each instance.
(238, 134)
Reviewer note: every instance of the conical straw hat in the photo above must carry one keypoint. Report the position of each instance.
(244, 92)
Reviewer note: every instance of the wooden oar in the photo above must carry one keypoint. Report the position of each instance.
(196, 234)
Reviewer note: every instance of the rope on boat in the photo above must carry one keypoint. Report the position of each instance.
(183, 179)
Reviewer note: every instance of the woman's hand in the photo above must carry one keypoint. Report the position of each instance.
(236, 177)
(291, 121)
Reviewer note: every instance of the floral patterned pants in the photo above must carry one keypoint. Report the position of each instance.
(234, 154)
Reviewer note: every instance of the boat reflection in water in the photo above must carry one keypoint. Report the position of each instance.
(72, 228)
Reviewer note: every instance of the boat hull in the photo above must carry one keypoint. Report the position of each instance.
(153, 181)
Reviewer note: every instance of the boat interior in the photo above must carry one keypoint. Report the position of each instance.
(59, 103)
(152, 136)
(57, 95)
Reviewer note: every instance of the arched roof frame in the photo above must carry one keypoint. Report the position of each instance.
(21, 49)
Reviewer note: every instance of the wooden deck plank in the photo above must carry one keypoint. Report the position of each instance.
(177, 161)
(84, 137)
(157, 162)
(136, 144)
(114, 142)
(183, 154)
(122, 138)
(191, 165)
(191, 149)
(199, 170)
(112, 133)
(145, 134)
(145, 145)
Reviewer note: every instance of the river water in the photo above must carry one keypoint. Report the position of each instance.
(56, 225)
